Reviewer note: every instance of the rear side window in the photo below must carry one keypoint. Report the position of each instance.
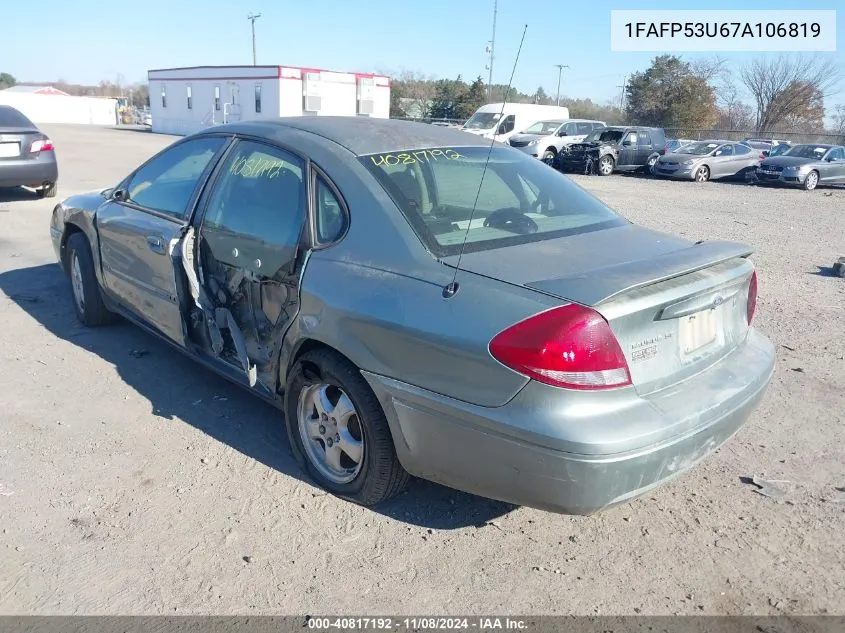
(10, 117)
(644, 139)
(741, 149)
(447, 195)
(585, 128)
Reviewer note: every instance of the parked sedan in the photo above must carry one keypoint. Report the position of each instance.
(670, 146)
(703, 160)
(27, 155)
(415, 301)
(805, 166)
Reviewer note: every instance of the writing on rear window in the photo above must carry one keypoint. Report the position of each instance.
(256, 167)
(420, 156)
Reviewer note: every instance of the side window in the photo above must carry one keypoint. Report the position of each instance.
(837, 154)
(167, 182)
(330, 218)
(255, 215)
(584, 128)
(598, 126)
(741, 149)
(507, 125)
(726, 150)
(644, 139)
(571, 129)
(632, 138)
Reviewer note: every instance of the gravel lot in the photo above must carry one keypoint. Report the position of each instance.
(144, 484)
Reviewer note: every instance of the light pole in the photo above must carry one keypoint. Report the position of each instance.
(560, 68)
(492, 52)
(252, 17)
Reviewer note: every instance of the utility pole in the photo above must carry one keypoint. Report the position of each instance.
(252, 17)
(492, 51)
(622, 88)
(560, 68)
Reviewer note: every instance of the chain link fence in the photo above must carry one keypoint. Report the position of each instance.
(739, 135)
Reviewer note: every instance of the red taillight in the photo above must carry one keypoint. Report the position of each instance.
(571, 346)
(42, 145)
(751, 304)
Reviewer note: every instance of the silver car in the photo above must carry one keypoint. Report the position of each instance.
(703, 160)
(805, 166)
(415, 301)
(545, 139)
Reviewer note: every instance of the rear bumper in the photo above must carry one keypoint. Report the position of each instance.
(31, 172)
(541, 452)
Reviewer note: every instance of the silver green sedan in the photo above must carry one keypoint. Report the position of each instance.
(805, 166)
(703, 160)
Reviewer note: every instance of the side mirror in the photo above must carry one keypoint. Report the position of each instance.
(119, 195)
(562, 133)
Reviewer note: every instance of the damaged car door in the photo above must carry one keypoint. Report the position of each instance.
(139, 227)
(248, 258)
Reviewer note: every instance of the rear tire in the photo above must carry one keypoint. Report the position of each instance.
(48, 191)
(87, 296)
(811, 181)
(324, 376)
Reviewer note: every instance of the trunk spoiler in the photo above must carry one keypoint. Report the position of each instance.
(599, 285)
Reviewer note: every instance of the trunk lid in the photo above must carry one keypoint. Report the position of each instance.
(16, 143)
(676, 307)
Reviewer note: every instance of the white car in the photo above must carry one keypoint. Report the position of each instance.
(544, 139)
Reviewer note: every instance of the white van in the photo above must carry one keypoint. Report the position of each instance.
(500, 121)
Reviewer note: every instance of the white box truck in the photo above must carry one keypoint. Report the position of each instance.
(500, 121)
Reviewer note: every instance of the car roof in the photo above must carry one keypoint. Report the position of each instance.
(361, 135)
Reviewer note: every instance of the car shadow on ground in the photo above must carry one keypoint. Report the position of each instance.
(17, 194)
(178, 388)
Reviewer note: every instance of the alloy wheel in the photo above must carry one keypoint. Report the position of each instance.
(76, 283)
(332, 434)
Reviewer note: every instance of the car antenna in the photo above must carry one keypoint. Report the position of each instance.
(450, 289)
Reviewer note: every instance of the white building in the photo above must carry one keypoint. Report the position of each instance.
(185, 100)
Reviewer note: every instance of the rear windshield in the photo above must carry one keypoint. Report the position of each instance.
(447, 196)
(9, 117)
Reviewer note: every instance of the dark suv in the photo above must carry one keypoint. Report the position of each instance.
(609, 149)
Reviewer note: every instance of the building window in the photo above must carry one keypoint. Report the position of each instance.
(190, 98)
(163, 96)
(217, 98)
(257, 98)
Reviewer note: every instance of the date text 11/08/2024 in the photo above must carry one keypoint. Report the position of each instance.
(724, 29)
(416, 624)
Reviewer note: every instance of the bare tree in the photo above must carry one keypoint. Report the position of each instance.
(785, 86)
(419, 91)
(838, 119)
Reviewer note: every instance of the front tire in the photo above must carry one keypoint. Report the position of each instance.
(338, 431)
(702, 174)
(811, 181)
(87, 297)
(606, 165)
(550, 157)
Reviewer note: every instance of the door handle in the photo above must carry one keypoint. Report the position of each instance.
(155, 244)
